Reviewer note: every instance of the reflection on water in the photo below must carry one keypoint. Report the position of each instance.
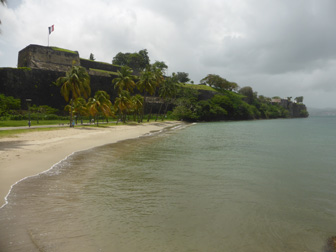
(238, 186)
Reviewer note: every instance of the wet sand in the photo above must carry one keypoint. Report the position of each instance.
(31, 153)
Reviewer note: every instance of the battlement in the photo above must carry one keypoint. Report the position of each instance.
(48, 58)
(61, 60)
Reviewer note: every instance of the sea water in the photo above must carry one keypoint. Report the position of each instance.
(267, 185)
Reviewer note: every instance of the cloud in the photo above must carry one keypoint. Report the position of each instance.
(277, 47)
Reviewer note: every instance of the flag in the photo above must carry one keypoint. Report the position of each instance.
(51, 29)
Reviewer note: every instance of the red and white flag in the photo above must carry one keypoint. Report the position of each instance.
(51, 29)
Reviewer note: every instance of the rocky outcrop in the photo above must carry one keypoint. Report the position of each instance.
(297, 110)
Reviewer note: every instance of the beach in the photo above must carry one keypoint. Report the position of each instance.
(29, 154)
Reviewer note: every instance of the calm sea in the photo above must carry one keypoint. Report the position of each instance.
(246, 186)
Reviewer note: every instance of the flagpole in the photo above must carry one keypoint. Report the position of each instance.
(50, 30)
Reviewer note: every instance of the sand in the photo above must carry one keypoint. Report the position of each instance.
(29, 154)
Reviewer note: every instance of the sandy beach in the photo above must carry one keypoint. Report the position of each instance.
(31, 153)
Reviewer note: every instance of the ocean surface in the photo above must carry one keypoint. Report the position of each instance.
(267, 185)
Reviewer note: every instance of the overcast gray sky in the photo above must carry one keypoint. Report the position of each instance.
(278, 47)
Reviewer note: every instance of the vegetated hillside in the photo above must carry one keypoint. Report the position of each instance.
(204, 103)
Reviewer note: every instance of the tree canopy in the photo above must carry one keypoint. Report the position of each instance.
(182, 77)
(92, 57)
(216, 81)
(75, 84)
(8, 103)
(248, 94)
(138, 61)
(160, 65)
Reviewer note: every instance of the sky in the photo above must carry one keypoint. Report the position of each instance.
(283, 48)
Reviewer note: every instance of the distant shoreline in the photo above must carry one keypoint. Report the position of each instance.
(32, 153)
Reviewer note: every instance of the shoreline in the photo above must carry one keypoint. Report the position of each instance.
(29, 154)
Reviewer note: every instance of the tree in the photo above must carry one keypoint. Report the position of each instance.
(121, 59)
(248, 94)
(136, 103)
(100, 104)
(138, 61)
(160, 65)
(299, 99)
(158, 79)
(125, 80)
(150, 80)
(8, 103)
(80, 108)
(92, 57)
(147, 85)
(167, 91)
(182, 77)
(75, 84)
(144, 60)
(122, 104)
(216, 81)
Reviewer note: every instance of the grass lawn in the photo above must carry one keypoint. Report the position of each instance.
(18, 123)
(199, 87)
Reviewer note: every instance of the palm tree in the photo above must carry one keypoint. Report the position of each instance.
(80, 108)
(147, 85)
(167, 91)
(75, 84)
(100, 104)
(158, 75)
(158, 80)
(125, 80)
(122, 104)
(136, 106)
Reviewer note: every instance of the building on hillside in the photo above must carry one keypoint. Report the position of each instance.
(282, 102)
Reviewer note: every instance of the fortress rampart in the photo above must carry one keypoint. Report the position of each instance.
(40, 66)
(61, 60)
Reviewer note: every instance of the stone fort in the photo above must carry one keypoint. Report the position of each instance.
(58, 59)
(40, 66)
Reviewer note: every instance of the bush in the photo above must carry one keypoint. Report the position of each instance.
(17, 117)
(8, 103)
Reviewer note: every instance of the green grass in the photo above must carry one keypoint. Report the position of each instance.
(199, 87)
(25, 68)
(63, 50)
(20, 123)
(23, 123)
(101, 62)
(103, 71)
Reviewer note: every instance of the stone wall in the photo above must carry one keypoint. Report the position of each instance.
(48, 58)
(57, 59)
(35, 84)
(38, 85)
(98, 65)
